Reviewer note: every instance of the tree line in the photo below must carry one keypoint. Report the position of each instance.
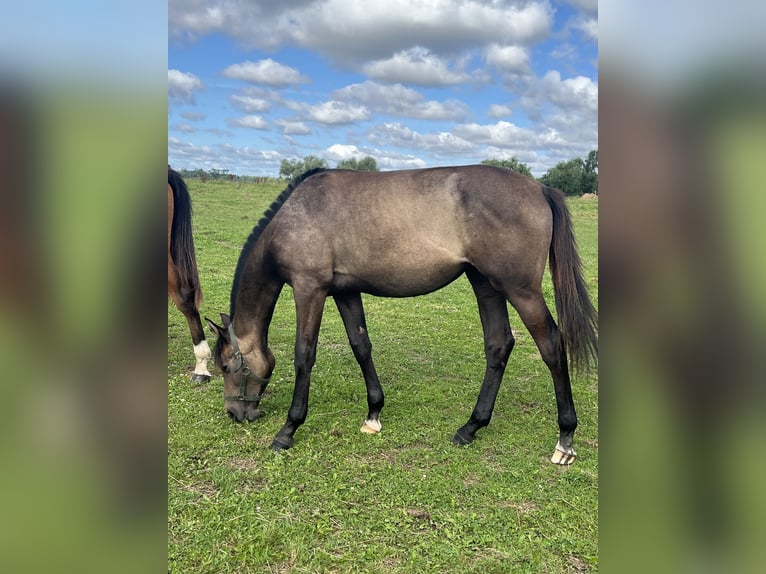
(574, 177)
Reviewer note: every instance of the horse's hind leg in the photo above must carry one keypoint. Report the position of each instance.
(352, 313)
(538, 320)
(498, 344)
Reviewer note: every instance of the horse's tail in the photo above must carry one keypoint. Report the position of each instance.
(181, 240)
(577, 317)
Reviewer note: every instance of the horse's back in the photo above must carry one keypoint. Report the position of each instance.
(409, 232)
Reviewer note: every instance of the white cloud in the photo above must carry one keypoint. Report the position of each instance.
(588, 26)
(499, 111)
(335, 112)
(239, 160)
(419, 67)
(250, 104)
(185, 128)
(180, 151)
(293, 127)
(339, 152)
(193, 116)
(354, 32)
(588, 5)
(508, 59)
(440, 143)
(499, 134)
(266, 72)
(254, 122)
(182, 85)
(573, 93)
(399, 100)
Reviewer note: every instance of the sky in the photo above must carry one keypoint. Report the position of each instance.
(412, 83)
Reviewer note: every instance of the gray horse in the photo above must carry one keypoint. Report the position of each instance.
(341, 233)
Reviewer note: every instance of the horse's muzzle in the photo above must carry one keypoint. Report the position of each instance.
(241, 412)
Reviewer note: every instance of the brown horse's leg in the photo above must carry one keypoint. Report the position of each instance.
(309, 305)
(352, 313)
(498, 344)
(538, 320)
(201, 348)
(184, 300)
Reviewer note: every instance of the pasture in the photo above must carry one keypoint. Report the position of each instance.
(405, 500)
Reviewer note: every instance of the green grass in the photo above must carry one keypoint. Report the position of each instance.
(405, 500)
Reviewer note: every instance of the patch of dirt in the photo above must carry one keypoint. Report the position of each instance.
(523, 507)
(470, 481)
(390, 562)
(590, 442)
(576, 564)
(419, 514)
(206, 488)
(243, 464)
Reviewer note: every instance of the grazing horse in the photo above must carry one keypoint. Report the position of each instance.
(341, 233)
(183, 279)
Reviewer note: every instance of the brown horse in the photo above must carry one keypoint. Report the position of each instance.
(400, 234)
(183, 279)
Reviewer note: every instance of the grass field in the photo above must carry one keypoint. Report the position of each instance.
(405, 500)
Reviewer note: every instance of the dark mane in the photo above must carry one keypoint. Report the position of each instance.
(268, 215)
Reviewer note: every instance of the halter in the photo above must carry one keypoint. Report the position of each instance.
(246, 374)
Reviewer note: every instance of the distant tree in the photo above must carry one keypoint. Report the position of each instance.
(367, 163)
(513, 164)
(205, 175)
(574, 177)
(590, 176)
(566, 176)
(294, 168)
(591, 164)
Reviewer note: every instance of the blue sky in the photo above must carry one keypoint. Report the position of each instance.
(411, 83)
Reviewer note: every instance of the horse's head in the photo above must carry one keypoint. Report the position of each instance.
(243, 389)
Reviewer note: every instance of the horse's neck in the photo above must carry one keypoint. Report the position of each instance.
(256, 300)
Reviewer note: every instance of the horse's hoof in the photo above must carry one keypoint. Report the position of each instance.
(371, 427)
(460, 440)
(563, 456)
(198, 379)
(279, 446)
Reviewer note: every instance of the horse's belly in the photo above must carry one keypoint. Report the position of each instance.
(402, 280)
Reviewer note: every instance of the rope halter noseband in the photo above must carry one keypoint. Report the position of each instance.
(245, 374)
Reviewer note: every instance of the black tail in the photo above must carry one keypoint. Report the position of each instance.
(181, 240)
(577, 318)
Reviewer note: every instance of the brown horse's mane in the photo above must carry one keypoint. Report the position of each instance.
(268, 215)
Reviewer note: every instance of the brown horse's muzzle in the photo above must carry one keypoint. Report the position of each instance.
(240, 411)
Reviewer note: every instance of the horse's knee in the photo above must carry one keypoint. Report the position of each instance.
(362, 348)
(498, 351)
(297, 415)
(305, 356)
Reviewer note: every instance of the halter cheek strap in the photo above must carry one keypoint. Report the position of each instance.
(245, 374)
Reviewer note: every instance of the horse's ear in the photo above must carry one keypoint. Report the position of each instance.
(226, 320)
(216, 329)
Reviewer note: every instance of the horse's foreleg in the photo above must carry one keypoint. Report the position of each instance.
(538, 320)
(498, 344)
(184, 301)
(309, 305)
(352, 313)
(201, 348)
